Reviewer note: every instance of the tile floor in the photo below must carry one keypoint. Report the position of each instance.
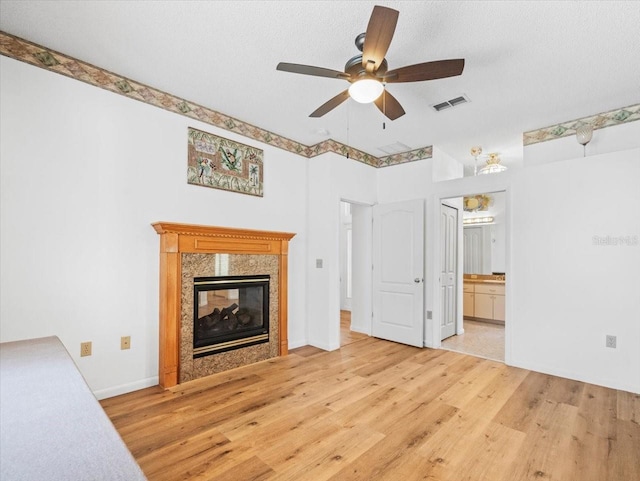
(479, 339)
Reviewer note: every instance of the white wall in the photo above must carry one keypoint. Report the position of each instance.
(331, 178)
(564, 294)
(498, 245)
(84, 173)
(610, 139)
(570, 292)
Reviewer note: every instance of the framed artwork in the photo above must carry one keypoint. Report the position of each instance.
(224, 164)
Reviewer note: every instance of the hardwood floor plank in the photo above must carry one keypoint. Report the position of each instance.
(471, 383)
(287, 425)
(140, 415)
(305, 397)
(383, 402)
(484, 460)
(521, 410)
(253, 468)
(478, 457)
(388, 458)
(306, 351)
(376, 410)
(628, 407)
(184, 455)
(330, 455)
(593, 435)
(625, 452)
(546, 443)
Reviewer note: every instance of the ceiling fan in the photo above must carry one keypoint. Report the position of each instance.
(368, 72)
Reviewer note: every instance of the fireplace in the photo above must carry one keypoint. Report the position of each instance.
(188, 251)
(229, 312)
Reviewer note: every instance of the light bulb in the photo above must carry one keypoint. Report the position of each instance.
(584, 134)
(365, 90)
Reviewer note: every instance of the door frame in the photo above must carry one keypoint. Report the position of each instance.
(464, 187)
(346, 261)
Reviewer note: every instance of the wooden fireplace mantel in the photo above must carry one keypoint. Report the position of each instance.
(176, 239)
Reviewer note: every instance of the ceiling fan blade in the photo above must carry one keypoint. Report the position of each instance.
(425, 71)
(311, 70)
(378, 37)
(389, 106)
(331, 104)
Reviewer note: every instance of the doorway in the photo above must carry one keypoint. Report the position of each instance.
(354, 269)
(481, 327)
(346, 250)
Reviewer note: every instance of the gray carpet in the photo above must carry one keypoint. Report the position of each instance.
(51, 425)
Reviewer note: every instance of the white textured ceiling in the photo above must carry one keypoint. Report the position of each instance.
(529, 64)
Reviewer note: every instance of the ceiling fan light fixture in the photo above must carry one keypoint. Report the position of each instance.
(493, 165)
(366, 90)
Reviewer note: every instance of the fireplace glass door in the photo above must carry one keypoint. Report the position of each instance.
(230, 312)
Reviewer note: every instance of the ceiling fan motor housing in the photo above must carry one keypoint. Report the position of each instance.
(357, 72)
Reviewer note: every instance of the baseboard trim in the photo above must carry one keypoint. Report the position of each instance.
(361, 330)
(297, 343)
(553, 371)
(125, 388)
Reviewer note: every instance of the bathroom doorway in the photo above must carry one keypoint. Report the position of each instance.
(482, 325)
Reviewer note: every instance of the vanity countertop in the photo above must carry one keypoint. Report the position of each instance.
(487, 280)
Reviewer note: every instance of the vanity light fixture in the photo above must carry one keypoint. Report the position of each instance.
(477, 220)
(474, 203)
(366, 90)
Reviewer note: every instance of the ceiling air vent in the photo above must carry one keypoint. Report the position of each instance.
(462, 99)
(396, 148)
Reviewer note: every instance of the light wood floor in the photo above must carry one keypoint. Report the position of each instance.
(376, 410)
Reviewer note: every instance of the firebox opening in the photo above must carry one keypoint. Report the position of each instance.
(230, 312)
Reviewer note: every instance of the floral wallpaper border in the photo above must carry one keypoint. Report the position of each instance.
(598, 121)
(39, 56)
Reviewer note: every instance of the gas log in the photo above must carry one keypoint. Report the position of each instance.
(224, 319)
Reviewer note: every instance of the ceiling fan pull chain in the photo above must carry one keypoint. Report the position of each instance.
(348, 109)
(384, 104)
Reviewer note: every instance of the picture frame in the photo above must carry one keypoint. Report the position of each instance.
(221, 163)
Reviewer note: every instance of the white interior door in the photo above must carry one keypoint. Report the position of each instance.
(448, 271)
(398, 272)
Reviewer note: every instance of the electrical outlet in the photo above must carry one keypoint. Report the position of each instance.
(125, 342)
(85, 349)
(611, 341)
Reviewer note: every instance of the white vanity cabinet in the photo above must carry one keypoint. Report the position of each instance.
(468, 303)
(489, 301)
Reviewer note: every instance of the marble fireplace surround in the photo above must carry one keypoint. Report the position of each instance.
(177, 243)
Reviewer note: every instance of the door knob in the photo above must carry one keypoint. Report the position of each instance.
(417, 280)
